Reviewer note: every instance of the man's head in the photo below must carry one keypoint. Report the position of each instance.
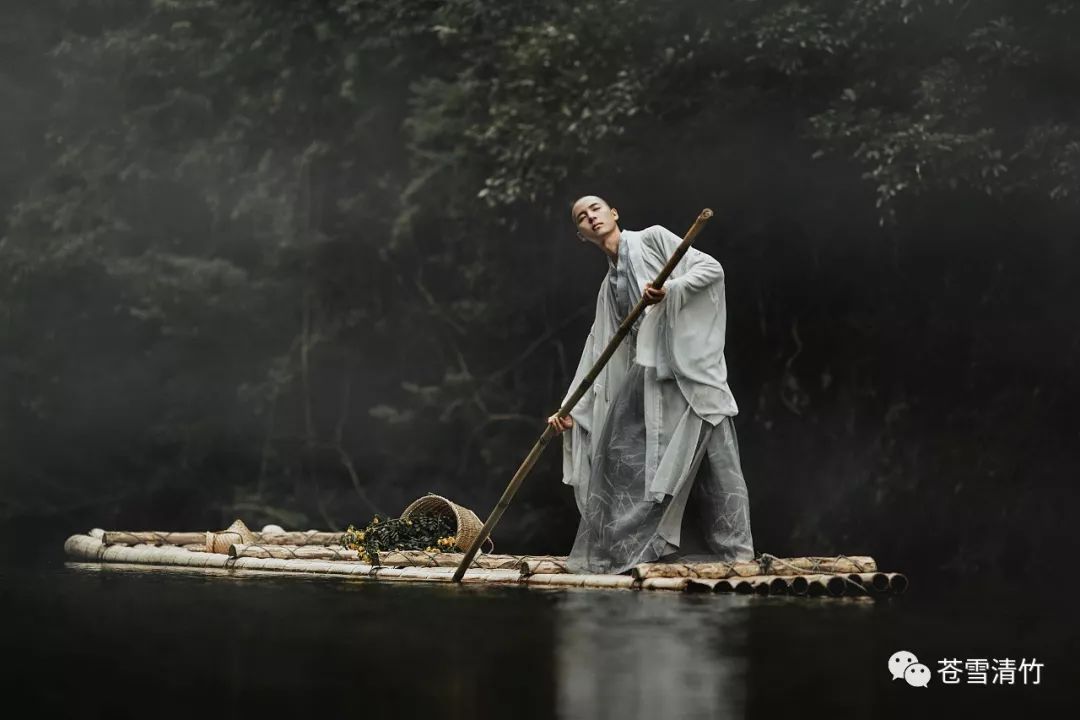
(593, 217)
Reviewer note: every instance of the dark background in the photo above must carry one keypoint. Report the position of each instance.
(297, 262)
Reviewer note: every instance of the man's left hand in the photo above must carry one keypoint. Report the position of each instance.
(653, 295)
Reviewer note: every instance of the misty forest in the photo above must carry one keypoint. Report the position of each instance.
(301, 262)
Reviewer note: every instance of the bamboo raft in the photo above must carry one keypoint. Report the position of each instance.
(321, 553)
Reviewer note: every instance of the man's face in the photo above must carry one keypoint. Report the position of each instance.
(594, 217)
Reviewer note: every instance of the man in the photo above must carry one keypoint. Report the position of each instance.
(652, 438)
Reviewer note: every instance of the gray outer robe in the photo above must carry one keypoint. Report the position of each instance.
(681, 340)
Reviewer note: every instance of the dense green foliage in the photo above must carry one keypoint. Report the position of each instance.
(302, 261)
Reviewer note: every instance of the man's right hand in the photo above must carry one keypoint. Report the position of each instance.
(560, 424)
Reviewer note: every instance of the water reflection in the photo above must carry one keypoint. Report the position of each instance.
(649, 655)
(234, 641)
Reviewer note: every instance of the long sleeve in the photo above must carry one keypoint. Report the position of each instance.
(699, 270)
(683, 336)
(576, 442)
(590, 411)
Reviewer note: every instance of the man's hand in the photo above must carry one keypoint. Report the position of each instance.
(653, 295)
(559, 424)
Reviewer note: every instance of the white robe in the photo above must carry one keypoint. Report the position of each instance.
(682, 340)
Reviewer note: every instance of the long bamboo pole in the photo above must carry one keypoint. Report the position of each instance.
(612, 346)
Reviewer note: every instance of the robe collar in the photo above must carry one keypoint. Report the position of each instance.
(623, 251)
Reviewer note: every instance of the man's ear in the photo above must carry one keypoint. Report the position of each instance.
(614, 213)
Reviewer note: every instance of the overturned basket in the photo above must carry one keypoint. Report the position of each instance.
(236, 534)
(467, 525)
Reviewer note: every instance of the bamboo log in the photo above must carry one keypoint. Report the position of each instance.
(817, 565)
(876, 582)
(853, 588)
(422, 558)
(83, 547)
(761, 584)
(446, 574)
(152, 537)
(833, 585)
(645, 571)
(799, 585)
(880, 583)
(571, 580)
(898, 582)
(320, 567)
(86, 547)
(544, 567)
(160, 537)
(771, 585)
(703, 584)
(295, 552)
(665, 583)
(414, 558)
(310, 537)
(742, 585)
(769, 565)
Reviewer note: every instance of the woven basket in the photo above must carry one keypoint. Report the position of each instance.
(467, 525)
(236, 534)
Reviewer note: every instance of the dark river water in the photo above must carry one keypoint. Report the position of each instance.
(87, 641)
